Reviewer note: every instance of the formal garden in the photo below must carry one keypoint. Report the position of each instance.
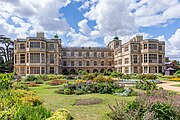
(88, 96)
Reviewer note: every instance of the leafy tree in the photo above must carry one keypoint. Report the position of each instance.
(6, 53)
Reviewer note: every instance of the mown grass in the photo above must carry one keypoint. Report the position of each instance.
(55, 101)
(176, 85)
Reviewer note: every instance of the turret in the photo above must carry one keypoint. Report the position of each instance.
(115, 43)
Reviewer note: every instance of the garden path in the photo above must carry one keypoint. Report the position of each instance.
(167, 85)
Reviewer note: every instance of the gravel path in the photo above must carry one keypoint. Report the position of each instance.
(167, 86)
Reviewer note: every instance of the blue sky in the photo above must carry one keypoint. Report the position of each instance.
(94, 22)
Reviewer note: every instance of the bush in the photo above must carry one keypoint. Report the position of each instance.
(151, 77)
(146, 85)
(61, 114)
(5, 81)
(174, 79)
(88, 77)
(101, 78)
(116, 74)
(42, 77)
(39, 81)
(79, 92)
(11, 99)
(156, 105)
(31, 78)
(90, 87)
(177, 72)
(31, 84)
(57, 82)
(68, 91)
(52, 77)
(79, 81)
(26, 112)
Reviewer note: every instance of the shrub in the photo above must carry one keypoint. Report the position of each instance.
(126, 76)
(90, 87)
(11, 99)
(68, 91)
(156, 105)
(52, 77)
(146, 85)
(61, 114)
(42, 77)
(79, 92)
(125, 92)
(5, 81)
(26, 112)
(107, 73)
(31, 84)
(177, 72)
(151, 77)
(79, 81)
(82, 72)
(88, 77)
(116, 74)
(101, 78)
(39, 81)
(31, 78)
(174, 79)
(57, 82)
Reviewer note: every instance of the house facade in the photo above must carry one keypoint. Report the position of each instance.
(38, 55)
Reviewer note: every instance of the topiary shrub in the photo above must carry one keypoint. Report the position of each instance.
(61, 114)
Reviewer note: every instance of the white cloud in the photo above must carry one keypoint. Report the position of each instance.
(87, 4)
(155, 12)
(83, 26)
(172, 45)
(78, 39)
(34, 15)
(112, 18)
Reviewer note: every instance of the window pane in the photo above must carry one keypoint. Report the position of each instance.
(34, 44)
(34, 57)
(22, 58)
(51, 47)
(22, 46)
(51, 58)
(51, 70)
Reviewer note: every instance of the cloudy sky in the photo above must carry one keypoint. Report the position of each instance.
(94, 22)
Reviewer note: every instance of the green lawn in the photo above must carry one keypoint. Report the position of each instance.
(176, 85)
(55, 101)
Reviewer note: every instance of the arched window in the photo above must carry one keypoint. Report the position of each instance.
(95, 63)
(72, 71)
(102, 71)
(95, 70)
(65, 72)
(102, 63)
(87, 54)
(87, 63)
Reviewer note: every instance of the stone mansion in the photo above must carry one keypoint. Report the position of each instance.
(38, 55)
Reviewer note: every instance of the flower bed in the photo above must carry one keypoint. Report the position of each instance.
(92, 87)
(57, 82)
(175, 79)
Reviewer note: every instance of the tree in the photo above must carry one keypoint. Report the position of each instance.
(7, 52)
